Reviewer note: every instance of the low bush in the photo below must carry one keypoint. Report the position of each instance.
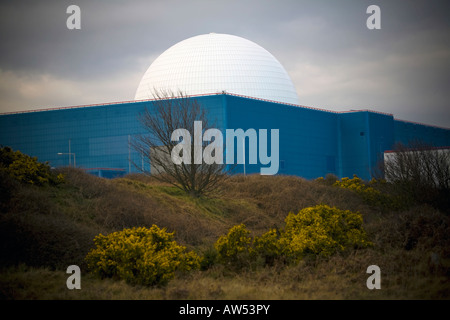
(27, 169)
(320, 231)
(145, 256)
(268, 246)
(235, 247)
(371, 193)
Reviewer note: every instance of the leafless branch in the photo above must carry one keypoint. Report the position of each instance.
(168, 113)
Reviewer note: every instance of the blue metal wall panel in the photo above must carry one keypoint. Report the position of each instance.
(407, 132)
(308, 142)
(312, 142)
(353, 144)
(380, 138)
(98, 135)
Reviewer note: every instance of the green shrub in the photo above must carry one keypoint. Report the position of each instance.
(27, 169)
(357, 184)
(319, 230)
(329, 179)
(235, 247)
(322, 230)
(268, 246)
(371, 194)
(140, 256)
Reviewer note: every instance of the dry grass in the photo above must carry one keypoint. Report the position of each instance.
(48, 228)
(335, 278)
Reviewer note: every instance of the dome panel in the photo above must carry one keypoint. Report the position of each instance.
(212, 63)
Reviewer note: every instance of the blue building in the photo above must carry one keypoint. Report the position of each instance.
(241, 86)
(312, 142)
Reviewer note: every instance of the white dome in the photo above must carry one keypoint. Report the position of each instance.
(212, 63)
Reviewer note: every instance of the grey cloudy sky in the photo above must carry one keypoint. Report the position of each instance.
(334, 60)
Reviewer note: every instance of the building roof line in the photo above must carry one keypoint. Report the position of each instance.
(216, 93)
(104, 169)
(368, 110)
(95, 105)
(279, 102)
(188, 96)
(418, 149)
(422, 124)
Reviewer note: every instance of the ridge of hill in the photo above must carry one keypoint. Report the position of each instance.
(45, 229)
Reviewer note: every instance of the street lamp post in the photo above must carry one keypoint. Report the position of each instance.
(70, 154)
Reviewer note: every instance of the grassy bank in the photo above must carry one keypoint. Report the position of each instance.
(45, 229)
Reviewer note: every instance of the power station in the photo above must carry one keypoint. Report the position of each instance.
(240, 85)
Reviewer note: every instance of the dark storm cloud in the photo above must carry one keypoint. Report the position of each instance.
(334, 60)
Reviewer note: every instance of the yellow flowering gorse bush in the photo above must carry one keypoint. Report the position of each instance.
(319, 230)
(235, 246)
(369, 193)
(322, 230)
(357, 184)
(145, 256)
(268, 246)
(27, 169)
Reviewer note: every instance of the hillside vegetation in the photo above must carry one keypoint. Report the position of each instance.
(45, 228)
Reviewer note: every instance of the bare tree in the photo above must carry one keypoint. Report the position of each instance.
(421, 170)
(419, 163)
(168, 113)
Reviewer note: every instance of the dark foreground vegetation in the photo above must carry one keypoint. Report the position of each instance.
(47, 226)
